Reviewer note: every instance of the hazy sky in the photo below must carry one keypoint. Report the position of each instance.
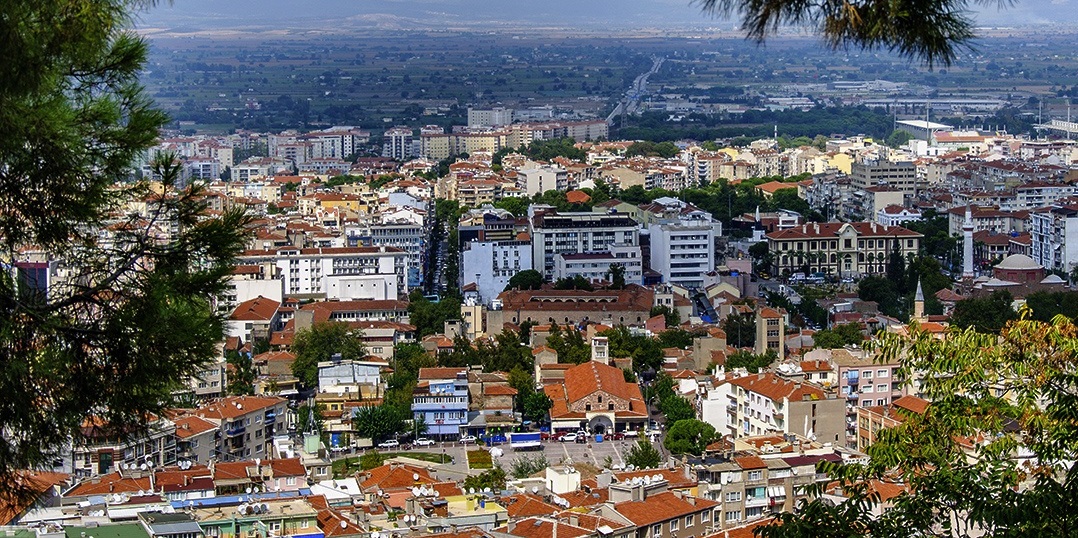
(198, 14)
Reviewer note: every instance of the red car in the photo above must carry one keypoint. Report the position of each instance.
(544, 436)
(617, 436)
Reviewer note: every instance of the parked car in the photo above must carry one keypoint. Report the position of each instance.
(467, 439)
(568, 438)
(544, 436)
(423, 441)
(632, 434)
(616, 436)
(392, 443)
(581, 438)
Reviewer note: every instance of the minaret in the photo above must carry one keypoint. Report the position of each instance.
(919, 303)
(967, 246)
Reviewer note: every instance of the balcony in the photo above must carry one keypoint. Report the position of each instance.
(269, 419)
(751, 502)
(235, 430)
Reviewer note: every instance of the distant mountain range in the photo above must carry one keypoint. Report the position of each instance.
(192, 15)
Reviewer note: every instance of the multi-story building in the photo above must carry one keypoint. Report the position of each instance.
(840, 248)
(106, 451)
(596, 396)
(595, 266)
(307, 271)
(440, 400)
(197, 439)
(987, 218)
(657, 512)
(489, 117)
(490, 265)
(247, 425)
(764, 403)
(398, 143)
(896, 215)
(573, 233)
(870, 420)
(771, 331)
(539, 180)
(682, 242)
(405, 229)
(1054, 236)
(901, 176)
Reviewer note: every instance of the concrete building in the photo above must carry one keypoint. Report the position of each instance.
(765, 403)
(306, 271)
(441, 401)
(545, 178)
(398, 143)
(489, 117)
(1054, 235)
(247, 425)
(490, 265)
(901, 176)
(770, 331)
(595, 266)
(896, 215)
(683, 243)
(837, 248)
(106, 451)
(574, 233)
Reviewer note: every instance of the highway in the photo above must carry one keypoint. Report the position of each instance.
(637, 91)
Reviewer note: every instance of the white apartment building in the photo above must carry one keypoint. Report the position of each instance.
(307, 271)
(398, 143)
(489, 117)
(901, 176)
(490, 265)
(759, 404)
(539, 180)
(259, 167)
(595, 266)
(574, 233)
(400, 228)
(1054, 235)
(683, 244)
(896, 215)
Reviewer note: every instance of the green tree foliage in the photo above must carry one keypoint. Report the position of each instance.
(545, 150)
(319, 343)
(570, 345)
(629, 375)
(844, 334)
(523, 466)
(371, 460)
(750, 361)
(898, 138)
(937, 242)
(241, 374)
(380, 422)
(492, 479)
(1011, 392)
(935, 33)
(665, 150)
(576, 282)
(528, 279)
(740, 329)
(647, 353)
(304, 415)
(1045, 305)
(643, 455)
(689, 436)
(516, 206)
(536, 406)
(676, 337)
(616, 274)
(429, 317)
(115, 342)
(676, 408)
(987, 314)
(673, 318)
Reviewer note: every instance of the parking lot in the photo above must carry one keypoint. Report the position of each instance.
(556, 453)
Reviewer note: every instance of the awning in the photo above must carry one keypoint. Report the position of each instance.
(776, 491)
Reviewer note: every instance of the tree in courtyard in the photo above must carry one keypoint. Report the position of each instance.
(536, 406)
(241, 373)
(689, 436)
(740, 329)
(643, 455)
(616, 274)
(110, 345)
(841, 335)
(992, 454)
(988, 314)
(528, 279)
(319, 343)
(676, 408)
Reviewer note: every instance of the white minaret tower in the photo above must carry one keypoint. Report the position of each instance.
(967, 246)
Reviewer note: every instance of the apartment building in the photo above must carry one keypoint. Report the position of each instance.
(105, 451)
(490, 265)
(870, 420)
(657, 512)
(987, 218)
(1054, 237)
(544, 178)
(901, 176)
(840, 248)
(595, 266)
(771, 331)
(307, 272)
(440, 399)
(682, 240)
(489, 117)
(247, 425)
(765, 403)
(197, 439)
(398, 143)
(573, 233)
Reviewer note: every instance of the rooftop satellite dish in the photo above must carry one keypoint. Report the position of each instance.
(258, 461)
(487, 490)
(415, 476)
(344, 524)
(143, 467)
(471, 491)
(265, 508)
(535, 489)
(248, 490)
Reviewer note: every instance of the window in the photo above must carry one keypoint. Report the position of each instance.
(656, 530)
(867, 374)
(290, 481)
(673, 525)
(754, 512)
(735, 515)
(881, 373)
(733, 496)
(866, 388)
(881, 388)
(756, 475)
(688, 521)
(304, 524)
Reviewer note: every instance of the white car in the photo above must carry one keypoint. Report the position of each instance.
(569, 438)
(392, 443)
(468, 439)
(423, 441)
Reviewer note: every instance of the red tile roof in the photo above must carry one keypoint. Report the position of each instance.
(661, 507)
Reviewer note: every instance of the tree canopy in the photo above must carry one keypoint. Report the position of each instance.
(319, 343)
(643, 455)
(689, 436)
(113, 343)
(993, 452)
